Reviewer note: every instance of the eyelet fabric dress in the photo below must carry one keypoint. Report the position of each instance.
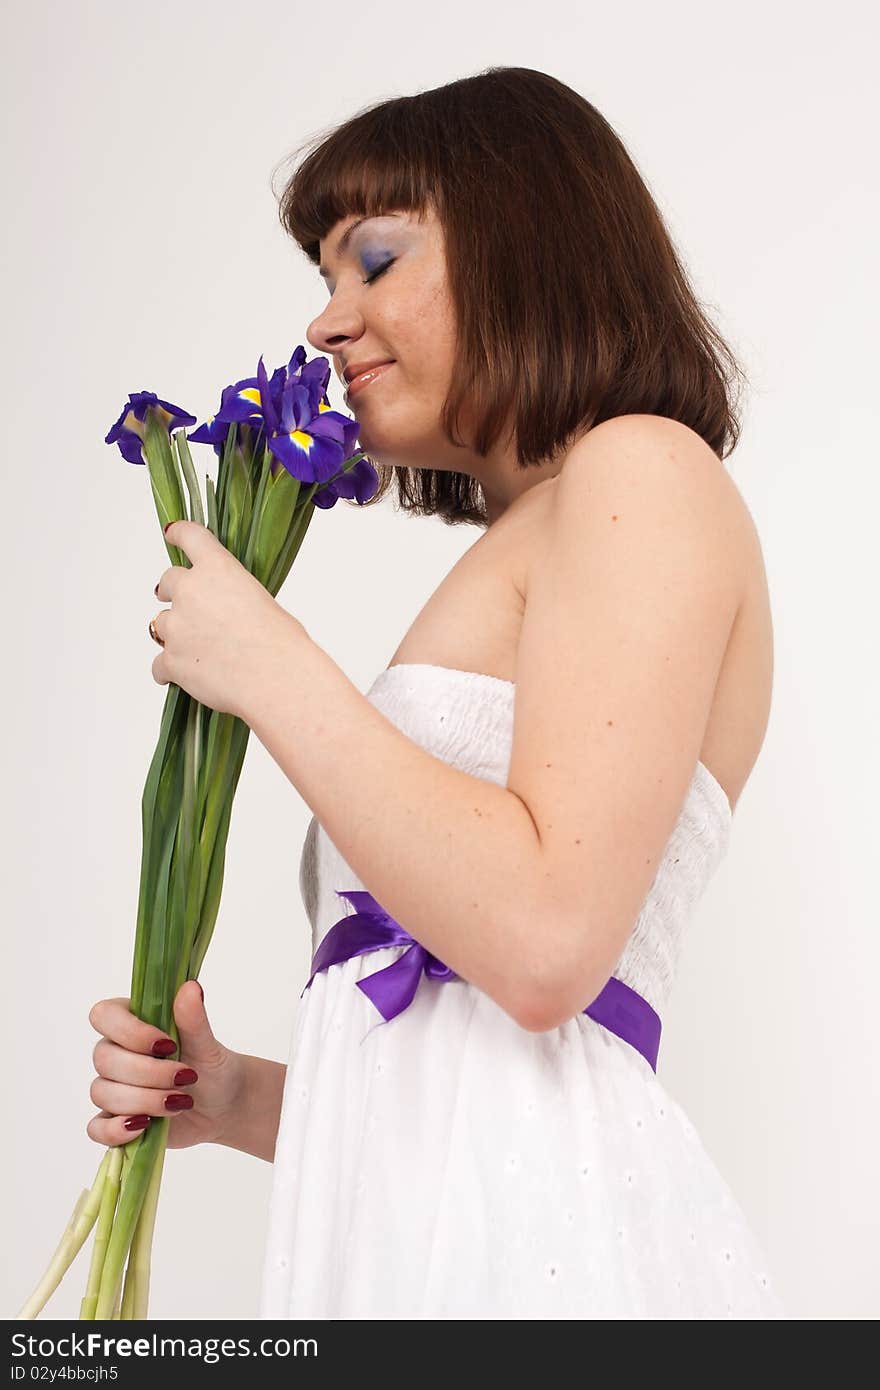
(449, 1163)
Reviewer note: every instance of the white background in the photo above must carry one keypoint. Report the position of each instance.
(144, 252)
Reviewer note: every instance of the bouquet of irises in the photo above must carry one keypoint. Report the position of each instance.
(282, 451)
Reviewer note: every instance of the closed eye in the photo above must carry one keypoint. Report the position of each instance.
(376, 273)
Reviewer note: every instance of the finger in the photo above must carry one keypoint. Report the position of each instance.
(197, 1038)
(158, 670)
(168, 583)
(114, 1019)
(117, 1063)
(112, 1130)
(137, 1100)
(194, 539)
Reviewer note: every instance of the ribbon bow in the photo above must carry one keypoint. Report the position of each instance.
(369, 928)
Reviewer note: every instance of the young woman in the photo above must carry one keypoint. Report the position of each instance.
(529, 802)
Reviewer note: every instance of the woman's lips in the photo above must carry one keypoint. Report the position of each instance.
(360, 383)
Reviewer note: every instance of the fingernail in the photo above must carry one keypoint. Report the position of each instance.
(163, 1047)
(136, 1122)
(167, 524)
(178, 1102)
(201, 991)
(186, 1077)
(156, 590)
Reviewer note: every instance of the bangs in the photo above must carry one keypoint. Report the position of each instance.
(374, 164)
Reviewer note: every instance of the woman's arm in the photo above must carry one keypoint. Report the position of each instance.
(452, 857)
(253, 1123)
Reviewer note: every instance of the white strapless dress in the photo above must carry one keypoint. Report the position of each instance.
(451, 1164)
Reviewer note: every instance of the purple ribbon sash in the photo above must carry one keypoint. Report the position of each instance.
(617, 1007)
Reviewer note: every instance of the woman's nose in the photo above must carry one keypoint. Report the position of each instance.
(334, 327)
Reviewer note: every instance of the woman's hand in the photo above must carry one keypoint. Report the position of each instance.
(136, 1074)
(224, 631)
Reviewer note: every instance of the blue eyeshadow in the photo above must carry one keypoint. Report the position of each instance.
(373, 259)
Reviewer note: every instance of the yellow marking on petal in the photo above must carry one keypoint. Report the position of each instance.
(252, 394)
(322, 406)
(304, 440)
(131, 422)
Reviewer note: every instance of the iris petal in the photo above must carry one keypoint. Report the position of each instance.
(214, 431)
(297, 360)
(308, 459)
(270, 410)
(358, 482)
(127, 431)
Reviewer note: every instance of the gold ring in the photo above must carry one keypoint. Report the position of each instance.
(154, 634)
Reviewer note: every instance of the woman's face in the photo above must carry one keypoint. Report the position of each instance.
(389, 301)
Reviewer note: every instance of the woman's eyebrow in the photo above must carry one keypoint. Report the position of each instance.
(343, 241)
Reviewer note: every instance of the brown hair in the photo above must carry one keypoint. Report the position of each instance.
(571, 302)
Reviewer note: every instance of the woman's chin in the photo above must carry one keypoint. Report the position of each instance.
(394, 444)
(380, 447)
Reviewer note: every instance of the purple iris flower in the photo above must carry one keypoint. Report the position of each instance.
(128, 431)
(307, 437)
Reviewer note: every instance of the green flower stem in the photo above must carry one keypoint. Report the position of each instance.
(271, 528)
(151, 1004)
(224, 468)
(212, 845)
(165, 478)
(247, 559)
(289, 552)
(135, 1299)
(189, 473)
(215, 727)
(158, 777)
(131, 1199)
(213, 520)
(163, 928)
(83, 1218)
(211, 905)
(240, 502)
(281, 564)
(220, 778)
(187, 895)
(109, 1196)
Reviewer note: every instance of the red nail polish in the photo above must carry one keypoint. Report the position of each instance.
(186, 1077)
(201, 991)
(178, 1102)
(167, 524)
(163, 1047)
(156, 591)
(136, 1122)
